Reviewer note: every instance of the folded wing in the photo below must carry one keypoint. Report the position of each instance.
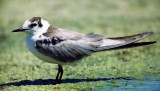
(73, 49)
(69, 50)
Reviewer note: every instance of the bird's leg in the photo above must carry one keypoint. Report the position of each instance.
(57, 75)
(60, 73)
(61, 70)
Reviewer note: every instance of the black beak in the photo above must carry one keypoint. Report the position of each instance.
(19, 30)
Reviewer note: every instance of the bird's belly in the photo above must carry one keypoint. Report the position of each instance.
(31, 47)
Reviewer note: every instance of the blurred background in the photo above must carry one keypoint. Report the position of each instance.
(110, 18)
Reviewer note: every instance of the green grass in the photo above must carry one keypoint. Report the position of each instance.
(110, 18)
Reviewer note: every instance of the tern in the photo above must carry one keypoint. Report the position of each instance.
(61, 46)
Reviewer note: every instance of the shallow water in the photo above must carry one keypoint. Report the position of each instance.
(136, 85)
(150, 83)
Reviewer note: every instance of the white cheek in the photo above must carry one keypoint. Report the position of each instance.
(35, 28)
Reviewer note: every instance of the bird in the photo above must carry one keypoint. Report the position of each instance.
(61, 46)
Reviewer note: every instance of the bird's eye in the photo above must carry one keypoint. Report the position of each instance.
(33, 25)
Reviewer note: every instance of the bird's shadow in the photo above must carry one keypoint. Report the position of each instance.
(54, 82)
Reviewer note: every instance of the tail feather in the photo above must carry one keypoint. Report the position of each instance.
(124, 42)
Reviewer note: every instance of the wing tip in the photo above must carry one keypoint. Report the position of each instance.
(148, 33)
(152, 42)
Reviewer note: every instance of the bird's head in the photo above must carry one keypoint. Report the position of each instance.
(33, 26)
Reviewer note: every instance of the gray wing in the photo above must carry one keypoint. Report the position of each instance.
(73, 49)
(69, 50)
(124, 42)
